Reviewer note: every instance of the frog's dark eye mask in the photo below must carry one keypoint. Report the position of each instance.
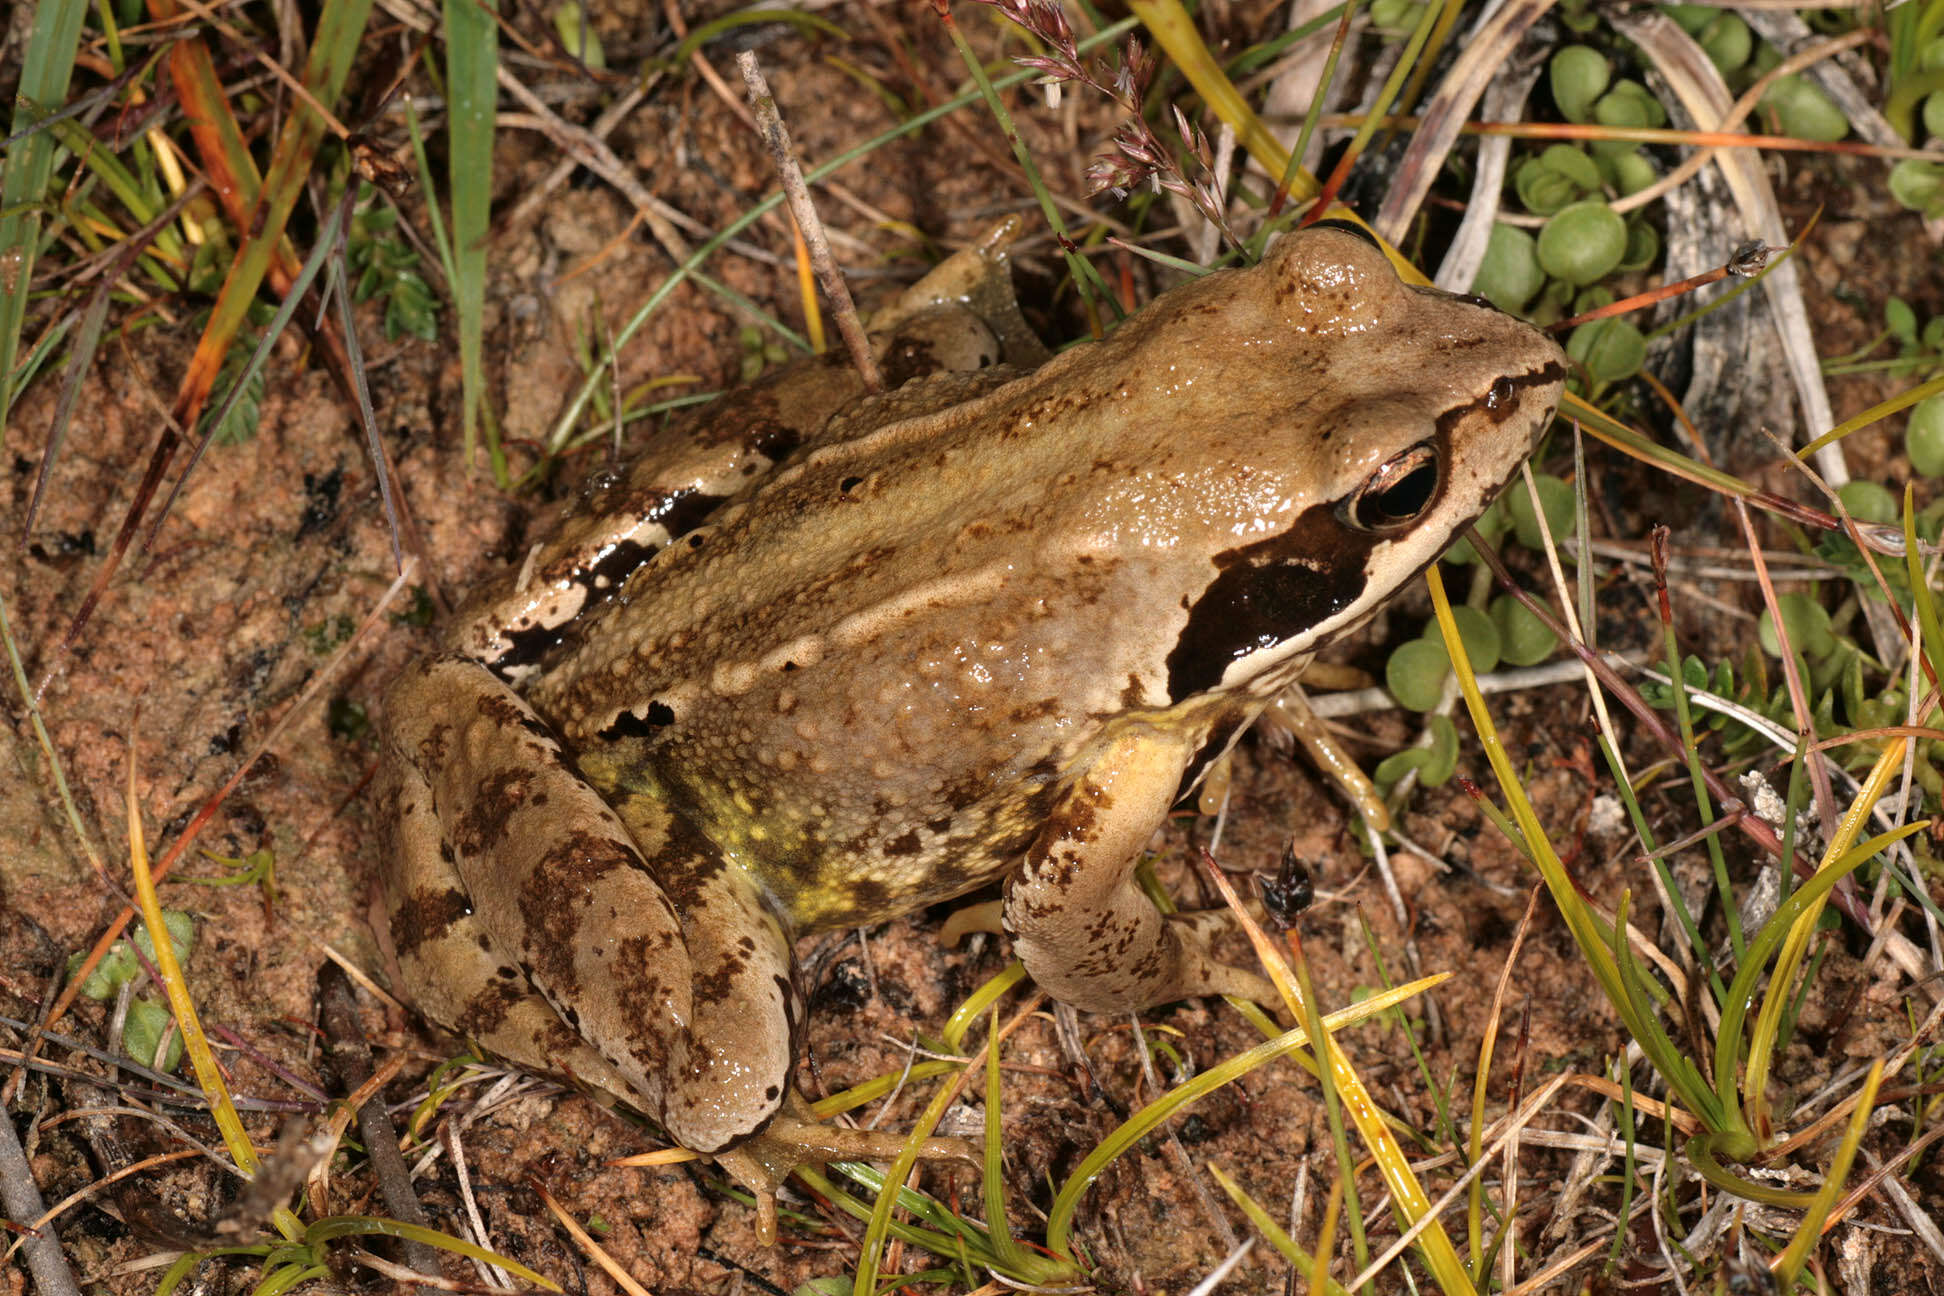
(1400, 492)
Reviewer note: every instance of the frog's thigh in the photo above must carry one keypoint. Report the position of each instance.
(450, 960)
(650, 946)
(1080, 923)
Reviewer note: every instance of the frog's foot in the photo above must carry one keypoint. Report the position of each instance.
(1084, 929)
(796, 1137)
(1292, 711)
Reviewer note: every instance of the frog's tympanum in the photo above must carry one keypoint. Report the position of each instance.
(822, 658)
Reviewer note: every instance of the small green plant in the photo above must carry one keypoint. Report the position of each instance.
(385, 268)
(149, 1023)
(1919, 346)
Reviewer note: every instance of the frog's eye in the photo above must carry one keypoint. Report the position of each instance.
(1397, 494)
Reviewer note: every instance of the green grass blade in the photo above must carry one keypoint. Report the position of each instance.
(1809, 1232)
(472, 70)
(994, 1184)
(44, 78)
(1060, 1217)
(342, 1226)
(1589, 933)
(1265, 1224)
(340, 27)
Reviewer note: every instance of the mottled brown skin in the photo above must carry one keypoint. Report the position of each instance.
(976, 629)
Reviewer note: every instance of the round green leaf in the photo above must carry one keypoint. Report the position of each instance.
(1727, 41)
(1934, 113)
(1690, 17)
(1579, 75)
(1618, 108)
(1477, 631)
(1444, 752)
(1924, 437)
(1649, 109)
(1510, 274)
(1523, 637)
(182, 935)
(1643, 241)
(1557, 498)
(1592, 298)
(1415, 674)
(115, 967)
(1804, 110)
(1542, 190)
(1611, 349)
(1492, 524)
(1808, 625)
(1919, 185)
(1575, 164)
(1868, 501)
(142, 1035)
(1435, 764)
(1582, 242)
(1901, 320)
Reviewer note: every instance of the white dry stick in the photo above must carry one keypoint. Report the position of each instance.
(1484, 54)
(1705, 97)
(1504, 101)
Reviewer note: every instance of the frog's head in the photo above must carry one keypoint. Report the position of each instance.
(1366, 423)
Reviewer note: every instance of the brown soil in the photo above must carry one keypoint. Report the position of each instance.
(278, 546)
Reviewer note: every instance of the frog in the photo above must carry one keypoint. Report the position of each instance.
(824, 656)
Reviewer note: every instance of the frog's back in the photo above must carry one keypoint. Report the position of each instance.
(871, 673)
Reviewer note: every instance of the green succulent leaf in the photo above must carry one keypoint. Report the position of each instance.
(1807, 622)
(1557, 499)
(1869, 501)
(1509, 275)
(1805, 111)
(1582, 242)
(1415, 674)
(1924, 437)
(143, 1032)
(1579, 75)
(1727, 41)
(1919, 185)
(1611, 349)
(1524, 639)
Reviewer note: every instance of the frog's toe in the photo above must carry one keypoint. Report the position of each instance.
(796, 1137)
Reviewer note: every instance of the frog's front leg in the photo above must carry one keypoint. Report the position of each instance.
(645, 941)
(1080, 923)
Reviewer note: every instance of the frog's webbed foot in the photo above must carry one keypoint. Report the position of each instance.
(796, 1137)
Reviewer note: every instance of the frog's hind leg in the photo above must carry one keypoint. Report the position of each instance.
(621, 948)
(648, 945)
(456, 974)
(1083, 927)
